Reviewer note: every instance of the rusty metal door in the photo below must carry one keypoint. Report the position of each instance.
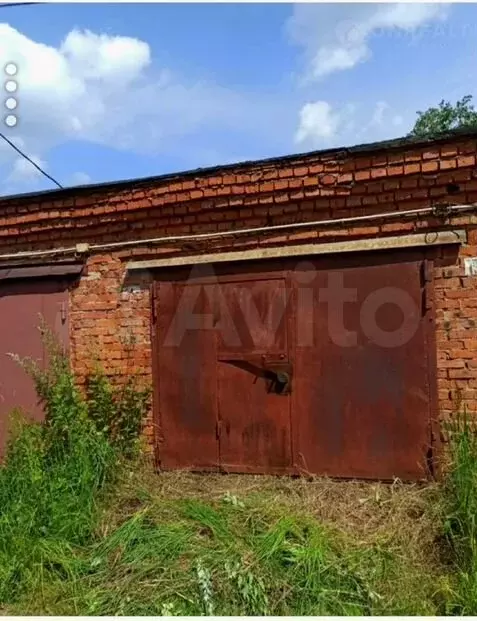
(22, 305)
(254, 375)
(185, 386)
(262, 370)
(223, 373)
(364, 397)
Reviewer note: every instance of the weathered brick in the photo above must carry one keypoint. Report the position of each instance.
(362, 175)
(446, 164)
(412, 169)
(428, 167)
(376, 173)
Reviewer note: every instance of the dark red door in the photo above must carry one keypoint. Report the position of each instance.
(262, 370)
(254, 375)
(186, 379)
(363, 408)
(222, 386)
(23, 306)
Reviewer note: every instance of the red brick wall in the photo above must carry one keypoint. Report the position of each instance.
(111, 321)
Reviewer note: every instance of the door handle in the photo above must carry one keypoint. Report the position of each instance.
(282, 378)
(281, 383)
(278, 375)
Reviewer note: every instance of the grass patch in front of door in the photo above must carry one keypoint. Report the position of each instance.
(187, 544)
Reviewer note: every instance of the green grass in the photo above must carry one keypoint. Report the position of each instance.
(194, 545)
(193, 558)
(53, 483)
(460, 516)
(85, 531)
(49, 493)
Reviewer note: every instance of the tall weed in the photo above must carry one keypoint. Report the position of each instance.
(54, 476)
(118, 411)
(460, 514)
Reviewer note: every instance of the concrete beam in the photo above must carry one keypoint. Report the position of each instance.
(358, 245)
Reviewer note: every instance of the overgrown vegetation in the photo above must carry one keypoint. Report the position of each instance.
(54, 476)
(117, 411)
(87, 528)
(227, 555)
(460, 512)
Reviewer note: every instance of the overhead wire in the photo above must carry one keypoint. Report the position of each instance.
(28, 159)
(5, 4)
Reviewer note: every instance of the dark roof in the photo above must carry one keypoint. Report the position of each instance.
(372, 147)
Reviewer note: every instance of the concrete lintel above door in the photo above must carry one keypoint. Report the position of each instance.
(434, 238)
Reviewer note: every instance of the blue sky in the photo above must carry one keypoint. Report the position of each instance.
(114, 91)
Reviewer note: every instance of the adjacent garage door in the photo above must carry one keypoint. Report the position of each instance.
(23, 302)
(317, 366)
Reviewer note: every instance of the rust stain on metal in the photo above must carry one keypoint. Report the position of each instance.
(243, 394)
(257, 418)
(187, 376)
(23, 304)
(366, 411)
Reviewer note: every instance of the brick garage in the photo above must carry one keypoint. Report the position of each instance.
(109, 310)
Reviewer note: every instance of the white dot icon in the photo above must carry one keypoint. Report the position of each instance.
(11, 86)
(11, 103)
(11, 69)
(10, 120)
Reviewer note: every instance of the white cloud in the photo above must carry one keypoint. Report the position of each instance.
(337, 37)
(317, 121)
(24, 172)
(114, 60)
(322, 125)
(105, 90)
(382, 123)
(66, 92)
(21, 175)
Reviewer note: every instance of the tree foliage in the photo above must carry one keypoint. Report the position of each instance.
(445, 117)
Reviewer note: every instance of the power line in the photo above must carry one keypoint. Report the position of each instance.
(9, 142)
(5, 4)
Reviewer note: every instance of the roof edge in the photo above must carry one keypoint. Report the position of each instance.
(371, 147)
